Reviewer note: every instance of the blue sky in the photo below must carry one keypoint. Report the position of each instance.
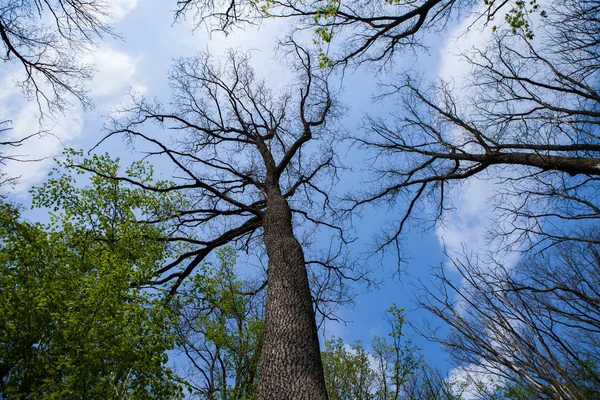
(140, 63)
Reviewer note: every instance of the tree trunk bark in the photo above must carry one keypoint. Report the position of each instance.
(290, 366)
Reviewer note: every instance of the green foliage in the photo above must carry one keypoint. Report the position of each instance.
(518, 16)
(397, 358)
(586, 376)
(348, 373)
(353, 373)
(73, 327)
(513, 392)
(221, 331)
(323, 32)
(326, 11)
(324, 61)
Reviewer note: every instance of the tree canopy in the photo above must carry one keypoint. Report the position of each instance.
(72, 324)
(132, 290)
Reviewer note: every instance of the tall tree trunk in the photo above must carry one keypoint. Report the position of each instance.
(290, 365)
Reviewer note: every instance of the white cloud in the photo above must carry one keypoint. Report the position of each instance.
(261, 40)
(471, 379)
(115, 71)
(465, 37)
(8, 83)
(333, 328)
(115, 77)
(40, 149)
(118, 9)
(467, 227)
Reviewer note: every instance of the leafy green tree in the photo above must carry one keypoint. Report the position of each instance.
(394, 369)
(73, 325)
(396, 357)
(220, 332)
(348, 373)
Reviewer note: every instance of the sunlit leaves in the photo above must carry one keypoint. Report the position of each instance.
(74, 323)
(518, 18)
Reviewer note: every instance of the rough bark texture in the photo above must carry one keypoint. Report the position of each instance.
(291, 365)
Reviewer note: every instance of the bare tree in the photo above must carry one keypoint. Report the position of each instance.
(365, 31)
(248, 162)
(534, 329)
(528, 117)
(5, 178)
(46, 38)
(429, 383)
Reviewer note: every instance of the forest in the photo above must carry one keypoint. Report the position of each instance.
(300, 199)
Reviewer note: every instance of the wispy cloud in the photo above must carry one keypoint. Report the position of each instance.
(261, 40)
(467, 227)
(118, 9)
(116, 73)
(34, 157)
(473, 380)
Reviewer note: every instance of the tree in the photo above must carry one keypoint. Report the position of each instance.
(529, 119)
(394, 369)
(246, 156)
(367, 31)
(396, 361)
(348, 373)
(534, 329)
(72, 325)
(220, 332)
(45, 38)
